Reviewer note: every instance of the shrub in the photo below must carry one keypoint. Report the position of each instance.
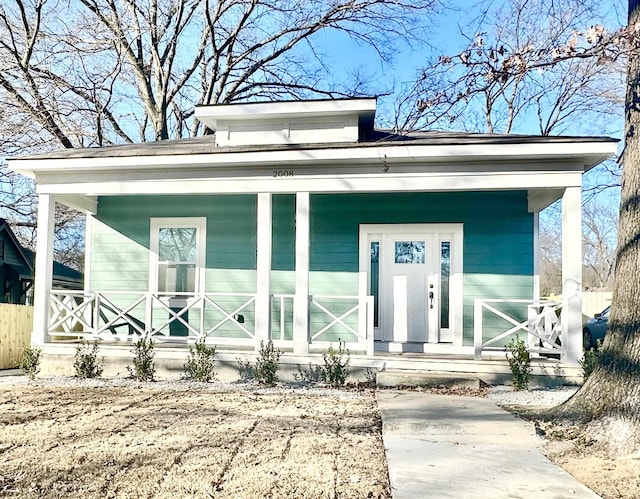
(86, 362)
(315, 374)
(267, 364)
(519, 363)
(30, 362)
(336, 366)
(590, 360)
(199, 365)
(143, 367)
(245, 369)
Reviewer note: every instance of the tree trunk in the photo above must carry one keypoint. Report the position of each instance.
(610, 399)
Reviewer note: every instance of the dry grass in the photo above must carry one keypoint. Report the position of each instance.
(148, 442)
(589, 462)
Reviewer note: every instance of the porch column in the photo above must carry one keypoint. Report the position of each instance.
(301, 298)
(571, 319)
(44, 269)
(536, 255)
(263, 270)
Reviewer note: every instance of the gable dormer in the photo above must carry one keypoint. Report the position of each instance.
(290, 122)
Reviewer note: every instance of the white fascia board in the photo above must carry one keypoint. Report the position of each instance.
(278, 110)
(384, 182)
(587, 153)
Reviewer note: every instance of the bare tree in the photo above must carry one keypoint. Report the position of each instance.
(609, 401)
(599, 232)
(527, 61)
(99, 72)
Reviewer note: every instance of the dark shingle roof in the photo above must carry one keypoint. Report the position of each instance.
(206, 144)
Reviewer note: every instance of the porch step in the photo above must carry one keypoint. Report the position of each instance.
(391, 378)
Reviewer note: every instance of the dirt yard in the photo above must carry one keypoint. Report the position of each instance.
(610, 478)
(140, 441)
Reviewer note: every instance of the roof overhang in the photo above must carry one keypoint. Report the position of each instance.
(284, 110)
(586, 154)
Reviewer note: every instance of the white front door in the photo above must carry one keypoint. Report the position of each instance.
(415, 276)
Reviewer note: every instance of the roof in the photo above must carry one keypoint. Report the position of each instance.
(206, 144)
(61, 273)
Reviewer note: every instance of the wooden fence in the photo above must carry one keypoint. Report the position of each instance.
(16, 322)
(593, 302)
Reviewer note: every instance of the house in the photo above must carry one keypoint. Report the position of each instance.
(300, 222)
(16, 269)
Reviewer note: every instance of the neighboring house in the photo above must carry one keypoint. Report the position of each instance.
(300, 222)
(16, 270)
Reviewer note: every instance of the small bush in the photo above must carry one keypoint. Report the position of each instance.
(336, 366)
(246, 370)
(519, 363)
(590, 360)
(30, 362)
(371, 377)
(143, 367)
(315, 374)
(86, 362)
(199, 365)
(265, 371)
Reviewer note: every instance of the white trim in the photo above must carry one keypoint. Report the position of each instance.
(572, 275)
(400, 311)
(85, 204)
(301, 298)
(409, 182)
(586, 153)
(200, 223)
(263, 269)
(287, 109)
(44, 269)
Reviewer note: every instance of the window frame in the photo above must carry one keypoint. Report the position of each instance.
(155, 224)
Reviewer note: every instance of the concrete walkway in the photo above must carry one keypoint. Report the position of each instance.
(441, 446)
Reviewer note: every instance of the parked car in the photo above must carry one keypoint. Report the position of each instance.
(596, 328)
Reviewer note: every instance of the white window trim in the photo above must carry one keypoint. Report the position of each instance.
(200, 224)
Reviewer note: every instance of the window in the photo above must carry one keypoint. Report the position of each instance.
(409, 251)
(374, 278)
(178, 251)
(445, 273)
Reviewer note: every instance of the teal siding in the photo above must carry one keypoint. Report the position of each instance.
(283, 243)
(120, 249)
(498, 237)
(498, 243)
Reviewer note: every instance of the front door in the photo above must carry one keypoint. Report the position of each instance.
(415, 274)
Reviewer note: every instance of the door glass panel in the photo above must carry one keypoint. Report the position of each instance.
(445, 272)
(374, 278)
(177, 248)
(409, 252)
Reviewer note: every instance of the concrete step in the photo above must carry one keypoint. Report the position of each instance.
(396, 378)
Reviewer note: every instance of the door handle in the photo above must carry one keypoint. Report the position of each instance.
(431, 299)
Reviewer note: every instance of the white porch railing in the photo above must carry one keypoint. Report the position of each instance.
(221, 318)
(118, 315)
(542, 326)
(352, 323)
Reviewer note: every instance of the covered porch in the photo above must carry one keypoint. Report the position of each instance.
(300, 223)
(303, 321)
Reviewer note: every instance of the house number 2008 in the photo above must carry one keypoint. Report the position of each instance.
(283, 173)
